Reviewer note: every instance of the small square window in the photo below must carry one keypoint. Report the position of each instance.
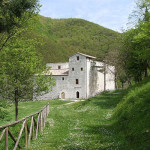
(59, 67)
(63, 78)
(77, 57)
(72, 69)
(81, 69)
(77, 81)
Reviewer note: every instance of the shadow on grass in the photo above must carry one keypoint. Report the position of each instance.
(108, 99)
(107, 136)
(100, 137)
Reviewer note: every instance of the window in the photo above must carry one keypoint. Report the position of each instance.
(59, 67)
(77, 81)
(63, 78)
(77, 57)
(81, 69)
(77, 94)
(72, 69)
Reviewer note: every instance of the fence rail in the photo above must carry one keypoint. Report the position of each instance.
(36, 126)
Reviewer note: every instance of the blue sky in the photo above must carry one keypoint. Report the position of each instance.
(112, 14)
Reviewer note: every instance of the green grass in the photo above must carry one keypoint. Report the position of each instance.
(132, 116)
(25, 109)
(82, 125)
(118, 120)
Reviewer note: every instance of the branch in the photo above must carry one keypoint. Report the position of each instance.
(6, 40)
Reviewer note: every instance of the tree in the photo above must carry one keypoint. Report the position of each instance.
(13, 16)
(21, 72)
(136, 49)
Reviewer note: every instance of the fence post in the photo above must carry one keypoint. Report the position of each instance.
(33, 129)
(41, 122)
(32, 132)
(6, 139)
(37, 128)
(26, 135)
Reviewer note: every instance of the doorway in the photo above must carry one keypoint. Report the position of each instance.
(77, 94)
(62, 95)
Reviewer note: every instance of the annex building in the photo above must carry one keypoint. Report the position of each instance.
(79, 78)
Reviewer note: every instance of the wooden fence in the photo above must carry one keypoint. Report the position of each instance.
(36, 126)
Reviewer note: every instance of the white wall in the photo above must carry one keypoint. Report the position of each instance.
(77, 74)
(55, 65)
(91, 80)
(110, 78)
(61, 86)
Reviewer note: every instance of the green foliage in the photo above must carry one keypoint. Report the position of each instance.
(136, 51)
(14, 15)
(3, 113)
(64, 37)
(19, 64)
(21, 72)
(132, 116)
(3, 109)
(14, 12)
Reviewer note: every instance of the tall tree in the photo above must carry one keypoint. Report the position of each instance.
(136, 48)
(13, 15)
(21, 72)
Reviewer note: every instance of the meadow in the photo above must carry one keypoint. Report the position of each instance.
(117, 120)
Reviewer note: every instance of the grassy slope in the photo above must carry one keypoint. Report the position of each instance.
(80, 126)
(113, 120)
(132, 116)
(64, 37)
(118, 120)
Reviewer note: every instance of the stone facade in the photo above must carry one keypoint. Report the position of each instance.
(79, 78)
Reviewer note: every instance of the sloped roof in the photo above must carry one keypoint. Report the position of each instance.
(88, 56)
(58, 72)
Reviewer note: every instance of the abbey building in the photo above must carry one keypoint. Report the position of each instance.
(81, 77)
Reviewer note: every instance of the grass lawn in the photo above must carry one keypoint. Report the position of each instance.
(25, 109)
(81, 126)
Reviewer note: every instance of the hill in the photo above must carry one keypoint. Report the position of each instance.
(64, 37)
(132, 116)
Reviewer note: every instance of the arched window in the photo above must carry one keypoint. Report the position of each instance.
(77, 57)
(77, 94)
(72, 69)
(81, 69)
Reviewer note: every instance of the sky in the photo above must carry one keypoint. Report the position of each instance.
(112, 14)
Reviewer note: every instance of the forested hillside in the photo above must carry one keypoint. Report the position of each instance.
(64, 37)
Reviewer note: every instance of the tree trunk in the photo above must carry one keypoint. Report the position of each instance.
(16, 104)
(145, 73)
(122, 84)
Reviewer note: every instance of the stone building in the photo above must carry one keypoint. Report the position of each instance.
(79, 78)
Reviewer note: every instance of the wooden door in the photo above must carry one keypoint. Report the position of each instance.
(63, 95)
